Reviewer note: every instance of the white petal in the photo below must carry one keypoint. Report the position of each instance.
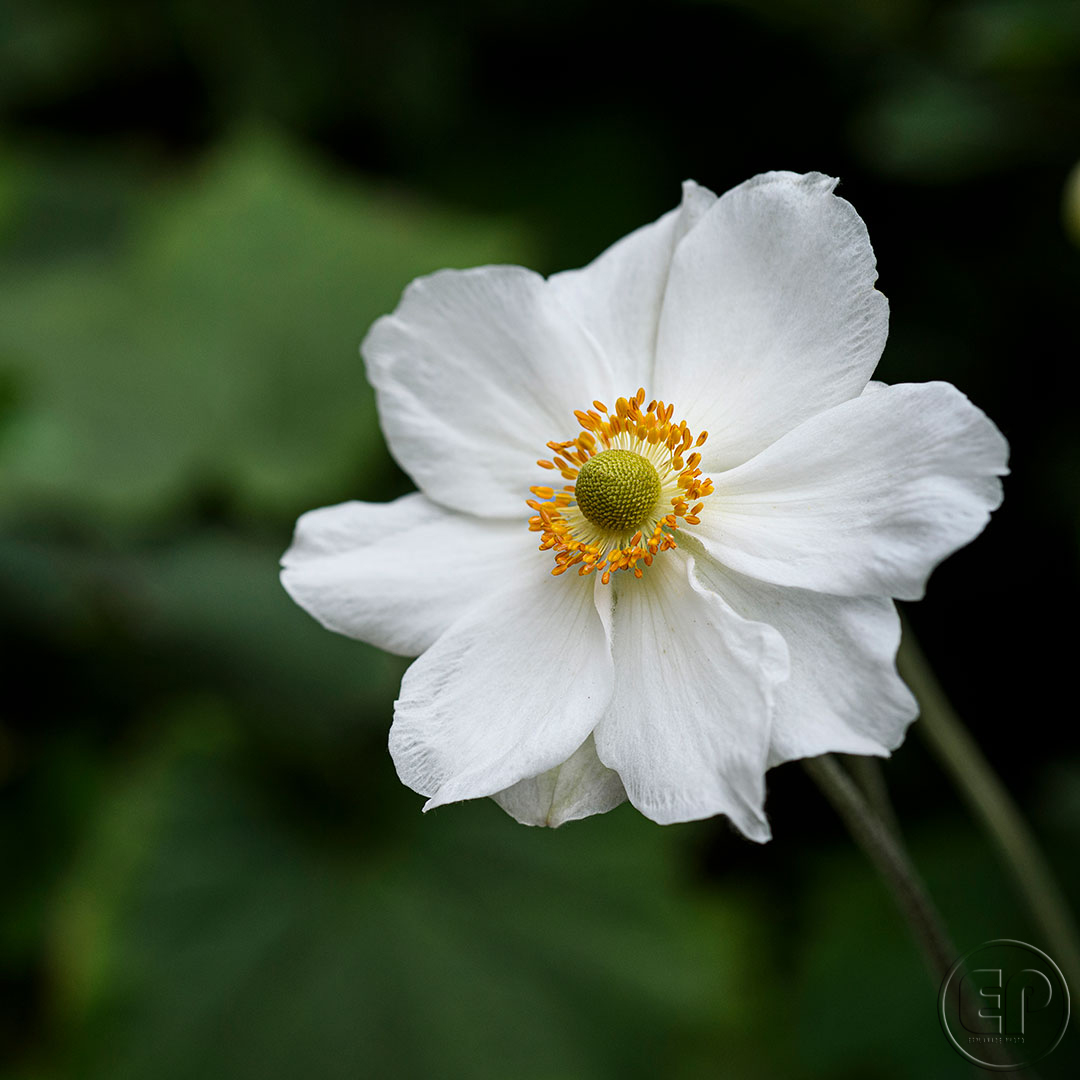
(577, 788)
(618, 296)
(844, 694)
(688, 728)
(474, 372)
(865, 499)
(397, 574)
(511, 690)
(770, 314)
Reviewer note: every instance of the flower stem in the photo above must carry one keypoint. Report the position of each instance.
(992, 804)
(889, 858)
(866, 772)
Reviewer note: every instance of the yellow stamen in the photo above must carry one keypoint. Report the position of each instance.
(634, 481)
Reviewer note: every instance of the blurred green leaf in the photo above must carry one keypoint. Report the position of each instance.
(220, 351)
(930, 126)
(206, 935)
(1008, 36)
(204, 612)
(66, 201)
(44, 46)
(865, 1005)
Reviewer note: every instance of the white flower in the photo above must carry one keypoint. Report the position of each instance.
(699, 609)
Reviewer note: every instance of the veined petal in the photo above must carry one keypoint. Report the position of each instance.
(579, 787)
(770, 314)
(473, 373)
(511, 690)
(688, 728)
(397, 574)
(618, 296)
(864, 499)
(844, 694)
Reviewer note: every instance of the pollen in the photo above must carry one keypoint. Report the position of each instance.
(634, 480)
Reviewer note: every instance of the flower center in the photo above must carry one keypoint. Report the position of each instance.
(633, 482)
(617, 489)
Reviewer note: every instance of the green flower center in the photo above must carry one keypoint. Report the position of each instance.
(617, 490)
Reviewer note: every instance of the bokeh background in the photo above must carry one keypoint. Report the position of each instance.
(207, 865)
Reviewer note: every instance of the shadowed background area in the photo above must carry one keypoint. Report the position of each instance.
(207, 865)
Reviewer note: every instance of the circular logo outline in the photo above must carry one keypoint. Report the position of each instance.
(943, 992)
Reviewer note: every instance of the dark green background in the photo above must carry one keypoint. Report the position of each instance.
(207, 866)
